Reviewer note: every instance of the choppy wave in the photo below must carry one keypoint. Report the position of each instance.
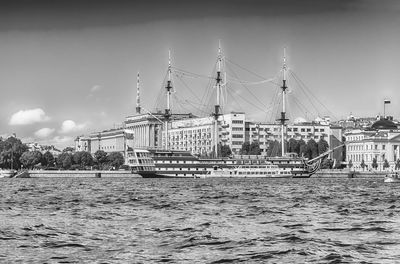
(199, 221)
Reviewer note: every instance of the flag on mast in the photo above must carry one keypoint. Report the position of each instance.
(386, 101)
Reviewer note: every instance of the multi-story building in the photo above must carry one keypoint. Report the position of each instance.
(197, 134)
(113, 140)
(381, 142)
(147, 128)
(264, 133)
(34, 146)
(82, 143)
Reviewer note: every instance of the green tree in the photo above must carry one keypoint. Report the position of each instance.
(11, 151)
(83, 159)
(30, 158)
(374, 163)
(294, 146)
(350, 164)
(386, 164)
(255, 148)
(64, 160)
(274, 149)
(323, 146)
(115, 159)
(245, 148)
(100, 158)
(69, 149)
(397, 166)
(363, 164)
(47, 159)
(302, 148)
(313, 148)
(225, 151)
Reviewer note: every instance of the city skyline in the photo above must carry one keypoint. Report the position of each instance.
(70, 68)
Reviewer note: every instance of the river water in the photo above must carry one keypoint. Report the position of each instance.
(134, 220)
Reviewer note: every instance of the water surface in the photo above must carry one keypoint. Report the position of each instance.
(120, 220)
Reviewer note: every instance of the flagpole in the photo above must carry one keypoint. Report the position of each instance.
(385, 101)
(384, 109)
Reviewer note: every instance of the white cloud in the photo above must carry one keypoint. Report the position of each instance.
(27, 117)
(69, 126)
(95, 88)
(44, 132)
(62, 142)
(62, 139)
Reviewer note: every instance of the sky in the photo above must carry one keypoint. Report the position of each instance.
(69, 68)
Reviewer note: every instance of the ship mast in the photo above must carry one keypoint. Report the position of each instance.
(218, 103)
(167, 113)
(283, 118)
(138, 108)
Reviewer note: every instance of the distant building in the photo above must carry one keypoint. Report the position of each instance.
(381, 142)
(264, 133)
(34, 146)
(83, 143)
(147, 128)
(197, 134)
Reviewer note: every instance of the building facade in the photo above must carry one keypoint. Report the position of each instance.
(147, 128)
(380, 142)
(197, 134)
(264, 133)
(82, 143)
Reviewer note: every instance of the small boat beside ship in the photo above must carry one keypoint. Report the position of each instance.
(392, 177)
(7, 173)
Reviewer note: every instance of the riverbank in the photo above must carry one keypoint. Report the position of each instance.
(77, 174)
(345, 173)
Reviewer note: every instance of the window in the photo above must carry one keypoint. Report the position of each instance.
(383, 147)
(237, 121)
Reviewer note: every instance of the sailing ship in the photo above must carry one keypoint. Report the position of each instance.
(173, 163)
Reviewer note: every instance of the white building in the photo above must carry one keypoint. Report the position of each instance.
(147, 128)
(264, 133)
(380, 142)
(197, 134)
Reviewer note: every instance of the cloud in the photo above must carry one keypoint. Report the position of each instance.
(44, 132)
(69, 126)
(62, 142)
(95, 88)
(27, 117)
(61, 139)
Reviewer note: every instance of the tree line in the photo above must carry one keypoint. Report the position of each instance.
(309, 150)
(16, 155)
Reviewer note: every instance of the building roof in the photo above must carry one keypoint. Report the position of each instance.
(384, 124)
